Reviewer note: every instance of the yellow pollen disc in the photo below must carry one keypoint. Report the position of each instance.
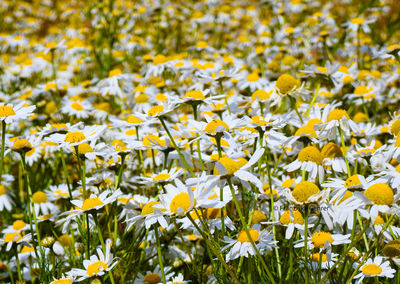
(152, 278)
(397, 143)
(307, 130)
(130, 132)
(74, 137)
(59, 192)
(395, 127)
(322, 69)
(346, 195)
(212, 213)
(114, 72)
(357, 21)
(243, 238)
(392, 249)
(310, 154)
(286, 83)
(142, 98)
(337, 114)
(303, 190)
(198, 95)
(260, 120)
(320, 238)
(288, 183)
(62, 281)
(149, 208)
(91, 203)
(18, 225)
(352, 181)
(95, 268)
(161, 177)
(155, 110)
(261, 95)
(379, 221)
(10, 237)
(3, 190)
(65, 240)
(371, 269)
(286, 218)
(253, 77)
(216, 125)
(316, 256)
(77, 106)
(331, 150)
(39, 197)
(360, 117)
(58, 126)
(229, 164)
(397, 169)
(27, 249)
(21, 144)
(380, 194)
(258, 217)
(84, 148)
(6, 111)
(133, 119)
(314, 121)
(159, 59)
(181, 200)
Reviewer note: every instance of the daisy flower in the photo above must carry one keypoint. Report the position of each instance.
(97, 265)
(376, 267)
(310, 159)
(306, 192)
(6, 199)
(242, 245)
(150, 214)
(322, 239)
(42, 204)
(10, 112)
(79, 109)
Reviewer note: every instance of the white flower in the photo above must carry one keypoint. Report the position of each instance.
(374, 268)
(10, 113)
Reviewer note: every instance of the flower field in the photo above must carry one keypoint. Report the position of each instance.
(209, 141)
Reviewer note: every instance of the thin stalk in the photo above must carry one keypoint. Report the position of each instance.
(313, 99)
(160, 259)
(3, 142)
(306, 241)
(176, 147)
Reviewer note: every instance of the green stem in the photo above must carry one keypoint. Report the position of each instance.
(244, 225)
(313, 99)
(306, 241)
(160, 260)
(3, 142)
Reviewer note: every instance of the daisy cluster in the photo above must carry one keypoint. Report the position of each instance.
(199, 141)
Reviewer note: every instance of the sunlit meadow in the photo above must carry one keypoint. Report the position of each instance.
(199, 141)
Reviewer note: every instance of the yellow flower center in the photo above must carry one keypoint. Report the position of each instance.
(229, 164)
(180, 201)
(10, 237)
(286, 83)
(62, 281)
(27, 249)
(331, 150)
(360, 117)
(316, 256)
(243, 238)
(397, 143)
(261, 95)
(84, 148)
(91, 203)
(6, 111)
(3, 190)
(379, 221)
(161, 177)
(314, 121)
(74, 137)
(320, 238)
(141, 98)
(159, 59)
(352, 181)
(310, 154)
(216, 125)
(77, 106)
(303, 190)
(58, 126)
(212, 213)
(22, 144)
(395, 128)
(288, 183)
(65, 240)
(134, 120)
(155, 110)
(152, 278)
(18, 225)
(392, 249)
(149, 208)
(307, 130)
(337, 114)
(253, 77)
(380, 194)
(260, 120)
(371, 269)
(398, 168)
(346, 195)
(39, 197)
(95, 268)
(357, 21)
(198, 95)
(286, 218)
(258, 217)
